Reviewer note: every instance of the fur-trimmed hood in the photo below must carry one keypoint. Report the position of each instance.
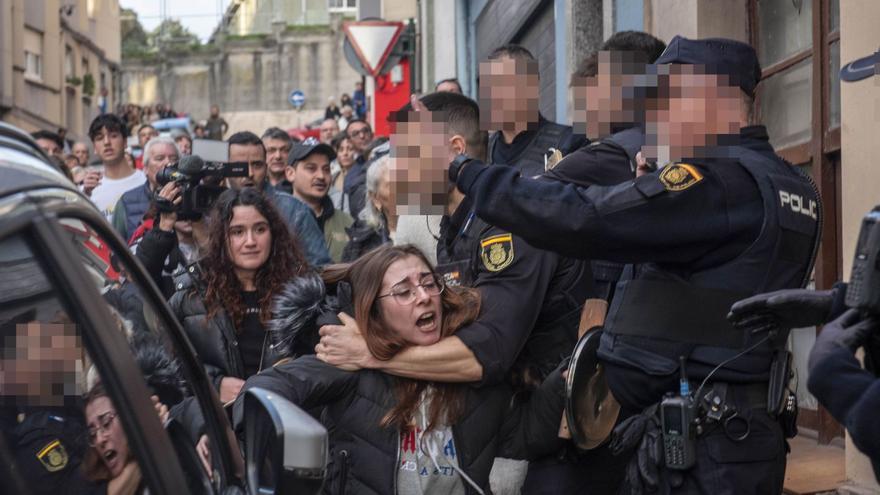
(295, 310)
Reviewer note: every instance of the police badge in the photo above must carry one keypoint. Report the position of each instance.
(53, 456)
(497, 252)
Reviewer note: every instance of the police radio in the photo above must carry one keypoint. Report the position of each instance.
(863, 291)
(678, 419)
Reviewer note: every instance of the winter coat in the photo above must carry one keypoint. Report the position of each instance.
(363, 238)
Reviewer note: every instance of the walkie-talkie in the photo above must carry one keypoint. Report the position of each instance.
(863, 291)
(677, 414)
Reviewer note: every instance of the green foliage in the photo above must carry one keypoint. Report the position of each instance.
(172, 32)
(306, 28)
(134, 38)
(88, 84)
(74, 81)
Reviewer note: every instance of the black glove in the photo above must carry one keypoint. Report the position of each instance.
(782, 310)
(850, 332)
(640, 432)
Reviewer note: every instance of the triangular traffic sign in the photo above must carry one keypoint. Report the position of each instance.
(373, 41)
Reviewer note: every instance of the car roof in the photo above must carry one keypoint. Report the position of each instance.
(23, 165)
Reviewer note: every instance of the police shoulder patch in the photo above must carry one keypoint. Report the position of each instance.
(53, 456)
(497, 252)
(679, 176)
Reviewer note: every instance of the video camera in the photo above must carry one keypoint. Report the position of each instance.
(863, 290)
(199, 176)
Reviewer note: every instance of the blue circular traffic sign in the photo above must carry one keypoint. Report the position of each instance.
(296, 98)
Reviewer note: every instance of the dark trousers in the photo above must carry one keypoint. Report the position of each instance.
(594, 472)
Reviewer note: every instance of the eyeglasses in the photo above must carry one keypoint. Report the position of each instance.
(104, 422)
(405, 294)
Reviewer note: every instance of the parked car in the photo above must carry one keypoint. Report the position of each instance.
(72, 296)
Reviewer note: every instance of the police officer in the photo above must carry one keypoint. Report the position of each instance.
(509, 90)
(721, 219)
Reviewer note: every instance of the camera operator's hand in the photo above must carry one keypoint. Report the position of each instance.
(782, 309)
(170, 192)
(91, 181)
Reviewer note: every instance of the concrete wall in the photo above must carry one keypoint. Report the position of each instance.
(247, 75)
(860, 109)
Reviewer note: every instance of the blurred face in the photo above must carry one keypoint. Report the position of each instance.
(360, 135)
(42, 363)
(310, 178)
(256, 159)
(106, 434)
(145, 134)
(215, 110)
(329, 129)
(81, 152)
(508, 94)
(421, 153)
(161, 155)
(249, 239)
(109, 145)
(184, 144)
(419, 321)
(698, 109)
(276, 155)
(603, 101)
(49, 146)
(345, 154)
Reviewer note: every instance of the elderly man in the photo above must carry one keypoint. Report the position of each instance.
(159, 152)
(81, 152)
(329, 129)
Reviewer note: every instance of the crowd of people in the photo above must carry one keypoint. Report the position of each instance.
(458, 263)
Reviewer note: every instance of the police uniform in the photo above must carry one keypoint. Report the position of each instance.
(528, 149)
(532, 300)
(706, 232)
(48, 445)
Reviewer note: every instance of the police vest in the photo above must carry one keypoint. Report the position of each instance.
(531, 161)
(691, 308)
(555, 330)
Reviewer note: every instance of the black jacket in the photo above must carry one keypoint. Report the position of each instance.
(161, 256)
(363, 238)
(364, 456)
(215, 340)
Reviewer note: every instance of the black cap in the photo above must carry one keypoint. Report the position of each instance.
(736, 59)
(311, 145)
(861, 68)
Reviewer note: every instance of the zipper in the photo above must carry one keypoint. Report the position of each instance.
(820, 217)
(343, 471)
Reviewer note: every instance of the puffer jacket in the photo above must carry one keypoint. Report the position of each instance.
(214, 340)
(364, 456)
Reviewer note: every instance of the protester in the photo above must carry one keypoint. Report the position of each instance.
(277, 144)
(159, 152)
(309, 172)
(107, 133)
(345, 159)
(224, 304)
(398, 435)
(216, 127)
(109, 459)
(378, 220)
(49, 142)
(247, 147)
(329, 129)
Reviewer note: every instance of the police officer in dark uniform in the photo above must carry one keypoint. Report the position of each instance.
(524, 138)
(725, 219)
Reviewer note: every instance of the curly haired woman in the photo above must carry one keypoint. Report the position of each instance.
(224, 300)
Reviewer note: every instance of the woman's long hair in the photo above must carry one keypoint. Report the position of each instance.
(460, 307)
(286, 259)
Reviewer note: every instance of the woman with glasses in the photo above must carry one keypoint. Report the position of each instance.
(223, 302)
(396, 435)
(109, 458)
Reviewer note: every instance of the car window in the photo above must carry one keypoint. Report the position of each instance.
(60, 426)
(147, 333)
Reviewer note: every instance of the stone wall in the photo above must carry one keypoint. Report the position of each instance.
(254, 73)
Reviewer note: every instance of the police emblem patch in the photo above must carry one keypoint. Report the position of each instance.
(53, 456)
(497, 252)
(679, 176)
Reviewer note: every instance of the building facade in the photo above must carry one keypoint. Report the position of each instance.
(59, 63)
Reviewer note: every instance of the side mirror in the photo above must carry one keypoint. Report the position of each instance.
(285, 448)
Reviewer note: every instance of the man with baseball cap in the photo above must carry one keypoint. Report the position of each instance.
(718, 217)
(308, 170)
